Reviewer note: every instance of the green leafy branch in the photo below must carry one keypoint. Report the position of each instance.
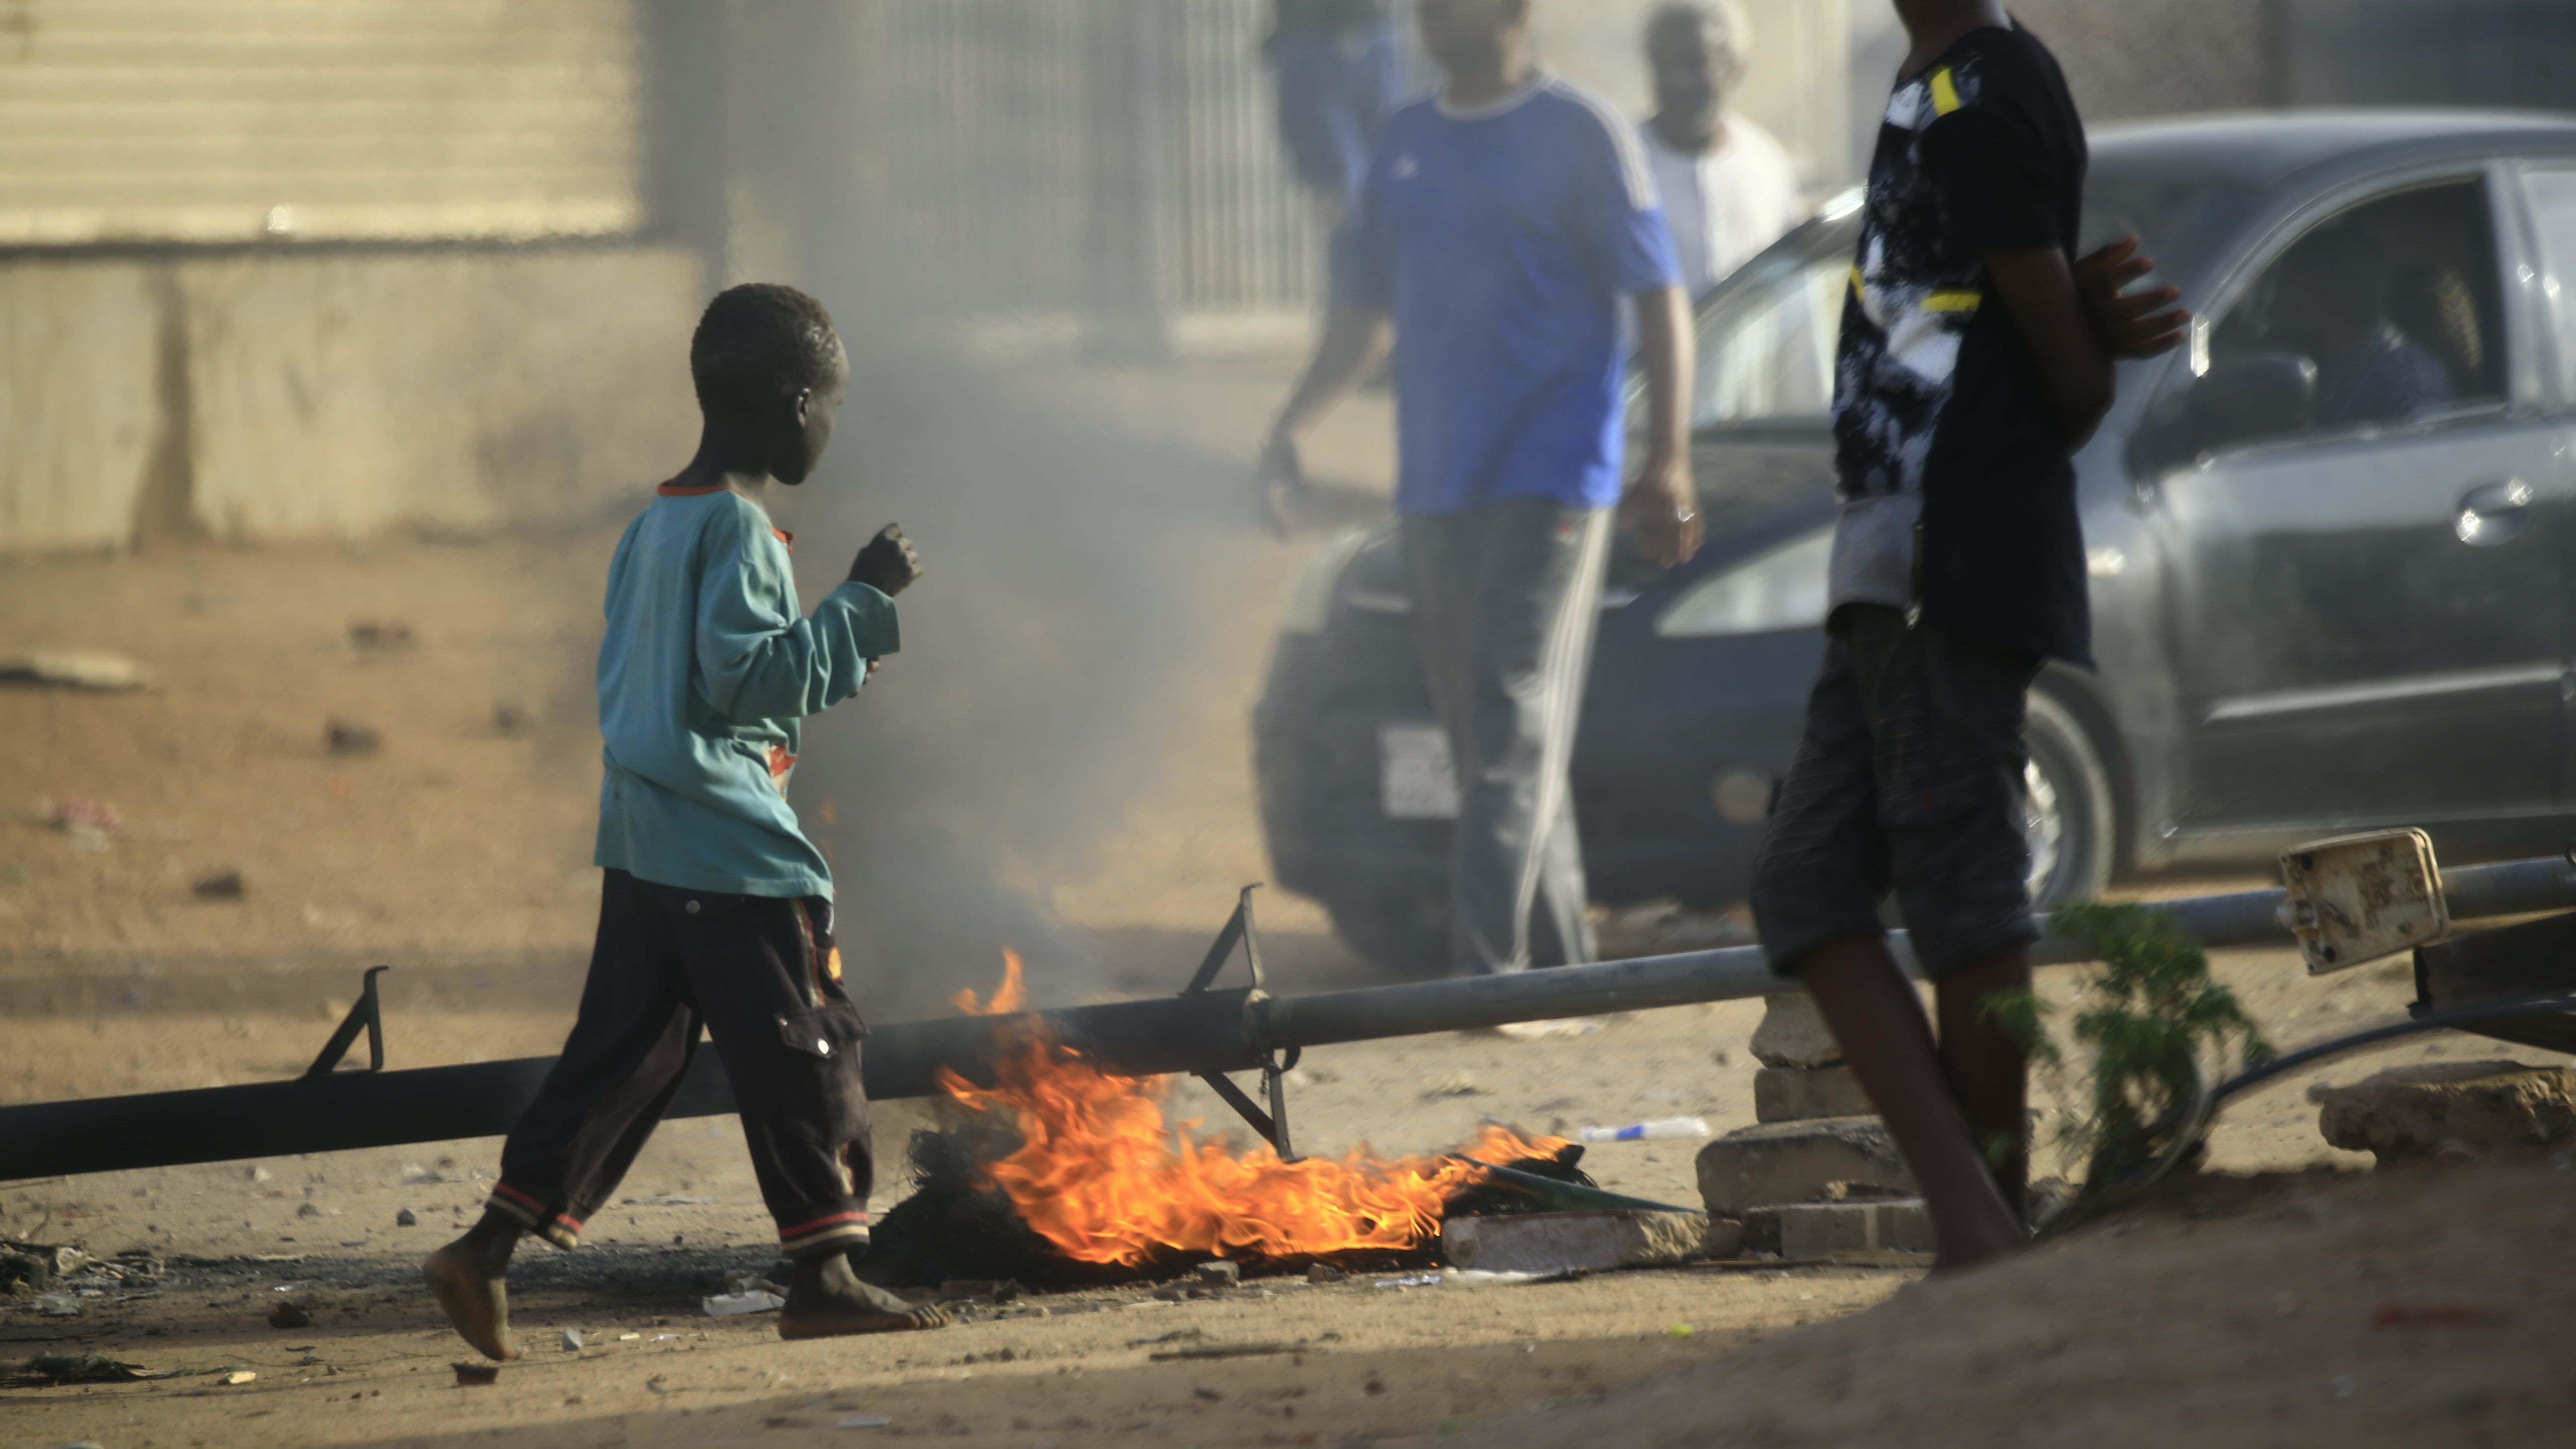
(2151, 1016)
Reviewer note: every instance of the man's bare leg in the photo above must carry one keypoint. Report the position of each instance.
(1989, 1068)
(470, 1280)
(826, 1300)
(1884, 1035)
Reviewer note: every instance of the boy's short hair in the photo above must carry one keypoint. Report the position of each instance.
(761, 341)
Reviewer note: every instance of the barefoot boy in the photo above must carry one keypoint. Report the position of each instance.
(1976, 357)
(716, 911)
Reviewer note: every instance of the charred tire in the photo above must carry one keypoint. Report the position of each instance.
(1402, 935)
(2072, 822)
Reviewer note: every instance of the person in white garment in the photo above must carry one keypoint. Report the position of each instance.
(1728, 189)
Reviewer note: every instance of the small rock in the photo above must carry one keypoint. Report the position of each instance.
(1797, 1094)
(222, 886)
(1787, 1162)
(307, 1210)
(2452, 1111)
(406, 1218)
(1204, 1392)
(255, 1173)
(344, 738)
(1809, 1231)
(572, 1340)
(1793, 1034)
(1220, 1272)
(383, 635)
(238, 1377)
(1458, 1084)
(1325, 1273)
(481, 1374)
(283, 1314)
(1558, 1242)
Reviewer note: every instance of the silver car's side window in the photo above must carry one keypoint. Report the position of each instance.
(2384, 315)
(2551, 193)
(1766, 355)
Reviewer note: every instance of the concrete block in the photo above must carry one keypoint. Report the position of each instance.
(1555, 1242)
(1797, 1094)
(1785, 1162)
(2423, 1111)
(1793, 1034)
(1822, 1229)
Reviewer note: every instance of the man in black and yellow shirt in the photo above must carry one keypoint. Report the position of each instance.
(1976, 356)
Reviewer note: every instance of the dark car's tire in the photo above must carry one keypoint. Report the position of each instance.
(1399, 934)
(2073, 814)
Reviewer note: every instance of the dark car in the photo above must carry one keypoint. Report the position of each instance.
(2332, 545)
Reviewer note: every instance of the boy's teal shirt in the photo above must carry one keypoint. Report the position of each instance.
(704, 675)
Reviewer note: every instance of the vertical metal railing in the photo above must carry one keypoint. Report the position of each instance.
(1087, 157)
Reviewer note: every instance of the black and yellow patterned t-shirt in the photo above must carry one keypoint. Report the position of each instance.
(1939, 416)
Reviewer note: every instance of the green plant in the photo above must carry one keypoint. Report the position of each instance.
(2150, 1016)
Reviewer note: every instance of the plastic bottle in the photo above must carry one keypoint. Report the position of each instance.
(1640, 1131)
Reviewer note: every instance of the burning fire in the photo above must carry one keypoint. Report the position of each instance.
(1102, 1176)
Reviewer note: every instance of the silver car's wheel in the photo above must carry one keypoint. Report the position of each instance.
(2071, 822)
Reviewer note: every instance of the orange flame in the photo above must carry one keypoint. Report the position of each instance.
(1010, 996)
(1104, 1178)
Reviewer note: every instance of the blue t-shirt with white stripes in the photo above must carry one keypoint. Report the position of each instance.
(1501, 238)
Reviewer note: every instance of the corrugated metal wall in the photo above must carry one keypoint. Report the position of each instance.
(1086, 156)
(228, 120)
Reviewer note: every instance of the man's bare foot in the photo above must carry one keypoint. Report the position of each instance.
(826, 1300)
(471, 1285)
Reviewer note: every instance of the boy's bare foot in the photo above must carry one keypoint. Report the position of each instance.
(826, 1300)
(470, 1281)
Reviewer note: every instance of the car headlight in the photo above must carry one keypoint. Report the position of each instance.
(1779, 588)
(1308, 602)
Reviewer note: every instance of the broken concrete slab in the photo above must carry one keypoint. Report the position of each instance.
(1793, 1033)
(1786, 1162)
(1824, 1229)
(2462, 1108)
(1558, 1242)
(1799, 1094)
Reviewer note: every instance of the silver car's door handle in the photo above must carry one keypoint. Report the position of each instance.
(2493, 513)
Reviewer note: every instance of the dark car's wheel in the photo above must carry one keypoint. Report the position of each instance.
(2072, 817)
(1400, 934)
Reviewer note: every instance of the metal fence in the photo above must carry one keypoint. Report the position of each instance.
(1091, 157)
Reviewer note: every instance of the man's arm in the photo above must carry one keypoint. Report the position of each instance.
(1660, 505)
(1353, 339)
(2038, 289)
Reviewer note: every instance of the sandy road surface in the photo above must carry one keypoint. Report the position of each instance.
(457, 849)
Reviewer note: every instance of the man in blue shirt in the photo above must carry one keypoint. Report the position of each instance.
(716, 911)
(1500, 224)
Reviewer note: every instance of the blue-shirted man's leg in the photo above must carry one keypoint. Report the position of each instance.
(1505, 600)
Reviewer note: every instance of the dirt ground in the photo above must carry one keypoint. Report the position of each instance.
(456, 850)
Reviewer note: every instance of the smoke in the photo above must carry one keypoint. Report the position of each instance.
(985, 763)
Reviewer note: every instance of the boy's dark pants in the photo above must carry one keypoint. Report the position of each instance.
(759, 973)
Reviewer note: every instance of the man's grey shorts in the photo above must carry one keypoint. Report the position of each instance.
(1909, 777)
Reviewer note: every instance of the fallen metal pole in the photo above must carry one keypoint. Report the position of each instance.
(1203, 1032)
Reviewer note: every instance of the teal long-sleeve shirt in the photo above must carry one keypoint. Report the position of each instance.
(704, 675)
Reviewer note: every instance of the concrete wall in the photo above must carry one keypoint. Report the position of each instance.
(333, 394)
